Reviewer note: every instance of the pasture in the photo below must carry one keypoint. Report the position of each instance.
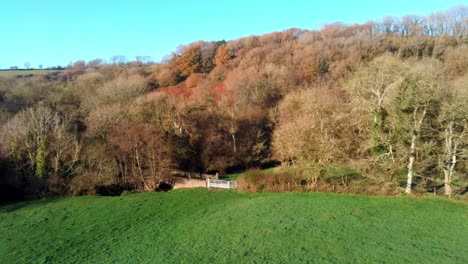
(203, 226)
(18, 73)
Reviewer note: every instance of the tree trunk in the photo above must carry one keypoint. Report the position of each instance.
(417, 123)
(412, 157)
(140, 170)
(452, 166)
(448, 174)
(451, 159)
(234, 142)
(447, 180)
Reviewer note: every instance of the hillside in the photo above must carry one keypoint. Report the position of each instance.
(382, 105)
(202, 226)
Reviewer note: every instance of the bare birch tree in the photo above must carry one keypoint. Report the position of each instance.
(454, 130)
(415, 98)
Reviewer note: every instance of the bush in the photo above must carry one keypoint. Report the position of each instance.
(258, 181)
(339, 179)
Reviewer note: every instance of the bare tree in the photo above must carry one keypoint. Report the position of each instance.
(143, 60)
(95, 63)
(38, 139)
(412, 104)
(310, 131)
(370, 88)
(118, 59)
(455, 133)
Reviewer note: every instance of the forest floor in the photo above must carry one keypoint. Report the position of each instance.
(203, 226)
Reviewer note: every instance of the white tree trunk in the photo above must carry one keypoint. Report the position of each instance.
(452, 166)
(448, 149)
(447, 180)
(449, 171)
(451, 158)
(417, 123)
(412, 157)
(234, 142)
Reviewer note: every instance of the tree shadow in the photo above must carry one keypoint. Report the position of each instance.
(13, 206)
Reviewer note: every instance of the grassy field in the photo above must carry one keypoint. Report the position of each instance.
(200, 226)
(14, 73)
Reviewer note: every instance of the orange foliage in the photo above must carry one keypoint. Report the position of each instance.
(223, 55)
(189, 61)
(178, 91)
(194, 79)
(217, 92)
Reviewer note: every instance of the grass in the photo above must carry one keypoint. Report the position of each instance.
(231, 176)
(14, 73)
(200, 226)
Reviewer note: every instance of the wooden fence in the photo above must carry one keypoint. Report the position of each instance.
(221, 184)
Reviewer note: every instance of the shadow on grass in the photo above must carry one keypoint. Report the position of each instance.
(14, 206)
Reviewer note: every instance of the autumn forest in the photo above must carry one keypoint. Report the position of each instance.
(375, 108)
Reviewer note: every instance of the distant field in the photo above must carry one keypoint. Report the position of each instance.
(14, 73)
(200, 226)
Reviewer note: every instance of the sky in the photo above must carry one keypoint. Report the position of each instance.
(58, 32)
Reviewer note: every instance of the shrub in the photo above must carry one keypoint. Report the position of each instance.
(258, 181)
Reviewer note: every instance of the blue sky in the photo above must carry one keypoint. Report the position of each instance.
(52, 32)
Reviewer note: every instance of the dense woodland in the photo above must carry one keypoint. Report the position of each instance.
(374, 108)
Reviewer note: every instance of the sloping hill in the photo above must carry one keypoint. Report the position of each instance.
(200, 226)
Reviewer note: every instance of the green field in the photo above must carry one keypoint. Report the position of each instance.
(14, 73)
(200, 226)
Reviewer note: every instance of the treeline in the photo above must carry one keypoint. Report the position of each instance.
(385, 100)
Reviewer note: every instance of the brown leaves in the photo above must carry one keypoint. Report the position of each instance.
(223, 55)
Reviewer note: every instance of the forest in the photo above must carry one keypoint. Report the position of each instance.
(378, 108)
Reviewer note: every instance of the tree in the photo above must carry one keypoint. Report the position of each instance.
(223, 55)
(119, 90)
(79, 66)
(118, 59)
(401, 101)
(189, 61)
(370, 88)
(453, 119)
(310, 131)
(39, 141)
(456, 60)
(143, 60)
(27, 65)
(415, 105)
(143, 154)
(208, 53)
(100, 121)
(96, 63)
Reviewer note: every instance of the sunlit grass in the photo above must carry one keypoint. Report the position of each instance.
(16, 73)
(200, 226)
